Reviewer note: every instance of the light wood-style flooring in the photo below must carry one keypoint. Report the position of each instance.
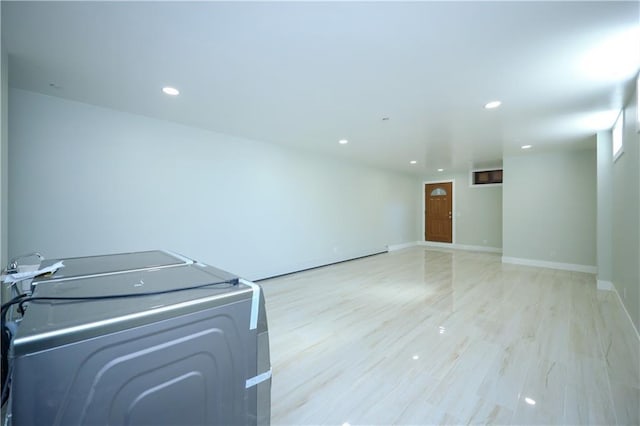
(423, 336)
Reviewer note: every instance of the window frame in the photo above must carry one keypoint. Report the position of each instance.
(484, 185)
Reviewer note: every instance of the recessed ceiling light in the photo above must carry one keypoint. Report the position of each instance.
(413, 162)
(441, 170)
(493, 104)
(415, 357)
(385, 118)
(171, 91)
(530, 401)
(343, 141)
(526, 147)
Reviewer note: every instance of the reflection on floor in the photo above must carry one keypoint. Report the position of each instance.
(421, 336)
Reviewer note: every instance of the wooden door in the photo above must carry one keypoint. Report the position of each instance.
(438, 213)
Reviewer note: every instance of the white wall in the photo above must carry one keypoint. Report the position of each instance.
(478, 211)
(626, 210)
(87, 180)
(478, 214)
(4, 154)
(549, 207)
(605, 207)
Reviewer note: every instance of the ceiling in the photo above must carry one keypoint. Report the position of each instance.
(306, 74)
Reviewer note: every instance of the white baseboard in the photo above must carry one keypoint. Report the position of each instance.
(460, 247)
(551, 265)
(624, 308)
(608, 286)
(478, 248)
(394, 247)
(316, 263)
(605, 285)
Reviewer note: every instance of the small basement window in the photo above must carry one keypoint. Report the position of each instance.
(486, 177)
(618, 146)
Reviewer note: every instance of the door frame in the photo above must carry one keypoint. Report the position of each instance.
(453, 210)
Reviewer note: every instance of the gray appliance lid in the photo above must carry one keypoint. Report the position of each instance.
(49, 323)
(111, 263)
